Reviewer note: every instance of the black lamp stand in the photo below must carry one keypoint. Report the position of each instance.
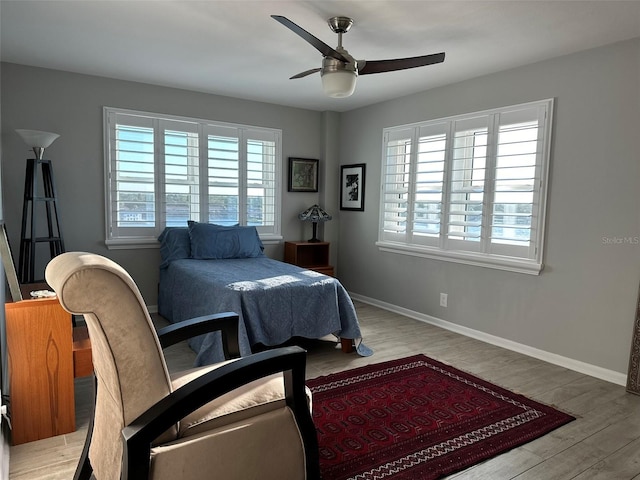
(28, 238)
(315, 231)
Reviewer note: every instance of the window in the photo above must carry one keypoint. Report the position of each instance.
(163, 171)
(469, 189)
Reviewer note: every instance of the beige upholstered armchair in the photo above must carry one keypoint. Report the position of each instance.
(246, 418)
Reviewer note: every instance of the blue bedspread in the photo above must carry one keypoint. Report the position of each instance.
(276, 301)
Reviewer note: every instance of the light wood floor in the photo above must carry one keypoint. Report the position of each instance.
(603, 443)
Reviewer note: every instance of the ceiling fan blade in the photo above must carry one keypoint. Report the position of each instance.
(305, 73)
(322, 47)
(380, 66)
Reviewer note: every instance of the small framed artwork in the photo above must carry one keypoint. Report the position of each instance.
(352, 180)
(303, 175)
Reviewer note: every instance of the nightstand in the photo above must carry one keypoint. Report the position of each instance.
(310, 255)
(45, 354)
(39, 344)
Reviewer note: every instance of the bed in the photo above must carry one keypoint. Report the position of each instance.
(207, 268)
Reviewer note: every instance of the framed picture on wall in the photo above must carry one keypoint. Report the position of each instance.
(352, 180)
(303, 175)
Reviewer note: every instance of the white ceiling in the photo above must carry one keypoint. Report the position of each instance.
(234, 48)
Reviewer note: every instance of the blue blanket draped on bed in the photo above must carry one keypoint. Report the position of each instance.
(276, 301)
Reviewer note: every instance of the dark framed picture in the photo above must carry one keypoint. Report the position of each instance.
(303, 175)
(352, 180)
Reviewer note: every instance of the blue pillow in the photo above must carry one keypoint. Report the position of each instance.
(175, 244)
(209, 241)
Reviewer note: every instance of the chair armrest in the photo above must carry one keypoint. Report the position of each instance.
(226, 323)
(139, 434)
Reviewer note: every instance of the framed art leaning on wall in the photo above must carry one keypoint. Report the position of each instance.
(352, 180)
(9, 267)
(633, 374)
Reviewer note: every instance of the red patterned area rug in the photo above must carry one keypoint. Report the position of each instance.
(417, 419)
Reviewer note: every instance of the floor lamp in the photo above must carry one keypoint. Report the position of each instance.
(38, 141)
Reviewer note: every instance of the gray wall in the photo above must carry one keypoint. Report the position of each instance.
(582, 305)
(71, 105)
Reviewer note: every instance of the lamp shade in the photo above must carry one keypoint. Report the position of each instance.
(314, 214)
(339, 83)
(37, 140)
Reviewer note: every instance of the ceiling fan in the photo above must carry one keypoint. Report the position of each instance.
(339, 69)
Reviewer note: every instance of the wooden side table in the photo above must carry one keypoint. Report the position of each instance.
(310, 255)
(82, 357)
(39, 344)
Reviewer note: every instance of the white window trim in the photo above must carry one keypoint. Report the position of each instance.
(140, 242)
(531, 266)
(498, 262)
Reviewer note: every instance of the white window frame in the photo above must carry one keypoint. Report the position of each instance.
(398, 235)
(201, 129)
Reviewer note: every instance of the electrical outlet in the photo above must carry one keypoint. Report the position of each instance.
(443, 299)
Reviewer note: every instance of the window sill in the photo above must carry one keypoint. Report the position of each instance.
(271, 239)
(152, 242)
(509, 264)
(131, 243)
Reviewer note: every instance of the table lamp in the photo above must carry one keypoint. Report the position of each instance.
(314, 214)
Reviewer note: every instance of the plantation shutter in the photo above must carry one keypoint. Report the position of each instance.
(395, 184)
(261, 182)
(467, 184)
(469, 188)
(241, 177)
(180, 190)
(518, 175)
(223, 175)
(132, 189)
(166, 170)
(429, 184)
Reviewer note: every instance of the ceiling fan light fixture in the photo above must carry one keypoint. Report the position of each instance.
(339, 83)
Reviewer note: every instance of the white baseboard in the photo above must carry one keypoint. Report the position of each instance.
(570, 363)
